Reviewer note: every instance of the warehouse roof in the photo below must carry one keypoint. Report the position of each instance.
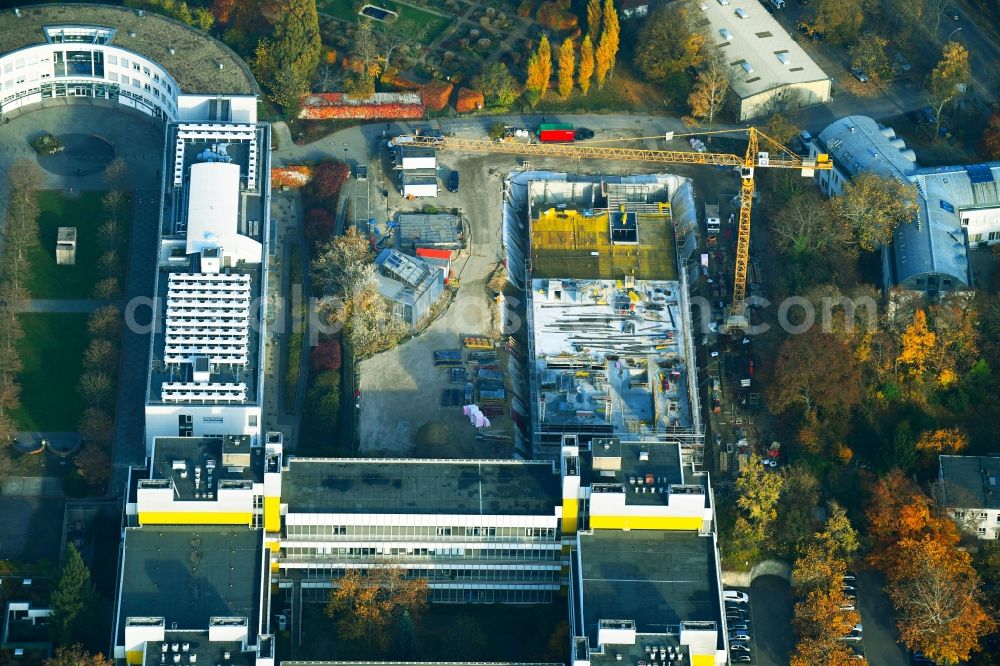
(858, 143)
(488, 487)
(188, 575)
(194, 62)
(760, 53)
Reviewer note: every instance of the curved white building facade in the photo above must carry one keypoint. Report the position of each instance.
(83, 61)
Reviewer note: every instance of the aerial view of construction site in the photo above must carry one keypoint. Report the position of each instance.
(499, 333)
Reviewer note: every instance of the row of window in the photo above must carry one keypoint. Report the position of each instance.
(982, 515)
(409, 531)
(124, 64)
(305, 553)
(451, 596)
(482, 575)
(991, 236)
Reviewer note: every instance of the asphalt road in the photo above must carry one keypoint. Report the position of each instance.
(880, 633)
(771, 609)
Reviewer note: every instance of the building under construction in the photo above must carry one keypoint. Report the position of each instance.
(609, 337)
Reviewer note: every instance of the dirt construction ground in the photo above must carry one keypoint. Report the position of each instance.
(401, 389)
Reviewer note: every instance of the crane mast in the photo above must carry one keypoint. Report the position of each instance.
(778, 156)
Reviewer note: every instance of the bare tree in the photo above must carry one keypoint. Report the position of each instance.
(105, 322)
(107, 289)
(116, 174)
(24, 179)
(95, 387)
(709, 93)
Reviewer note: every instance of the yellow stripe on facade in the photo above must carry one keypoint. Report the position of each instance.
(645, 522)
(703, 660)
(195, 518)
(133, 657)
(570, 511)
(272, 514)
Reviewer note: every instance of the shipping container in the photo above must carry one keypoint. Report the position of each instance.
(551, 132)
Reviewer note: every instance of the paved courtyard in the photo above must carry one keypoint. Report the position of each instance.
(139, 141)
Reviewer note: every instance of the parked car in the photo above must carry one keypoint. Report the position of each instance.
(453, 181)
(733, 595)
(739, 647)
(952, 13)
(859, 74)
(850, 578)
(857, 652)
(740, 658)
(745, 627)
(856, 633)
(739, 636)
(924, 115)
(582, 133)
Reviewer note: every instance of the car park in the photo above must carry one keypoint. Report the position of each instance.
(734, 595)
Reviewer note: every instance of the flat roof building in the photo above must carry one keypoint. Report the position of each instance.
(182, 585)
(768, 71)
(656, 582)
(205, 360)
(478, 530)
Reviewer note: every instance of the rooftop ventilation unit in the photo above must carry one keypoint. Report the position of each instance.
(742, 13)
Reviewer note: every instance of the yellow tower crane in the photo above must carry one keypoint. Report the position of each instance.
(762, 151)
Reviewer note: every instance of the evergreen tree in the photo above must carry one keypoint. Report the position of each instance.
(73, 596)
(407, 646)
(292, 58)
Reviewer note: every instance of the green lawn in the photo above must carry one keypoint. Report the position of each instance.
(415, 23)
(84, 212)
(52, 357)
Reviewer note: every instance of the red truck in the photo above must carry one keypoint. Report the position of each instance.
(555, 132)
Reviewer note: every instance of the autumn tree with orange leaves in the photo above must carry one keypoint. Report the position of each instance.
(824, 615)
(918, 345)
(815, 370)
(369, 603)
(931, 581)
